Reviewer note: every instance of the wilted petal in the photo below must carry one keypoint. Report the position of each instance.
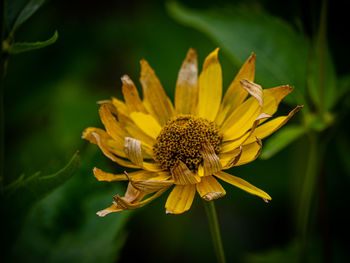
(108, 177)
(235, 95)
(180, 199)
(270, 127)
(101, 138)
(186, 92)
(112, 209)
(132, 149)
(182, 175)
(228, 146)
(152, 185)
(211, 162)
(253, 89)
(231, 159)
(242, 184)
(210, 87)
(250, 152)
(156, 101)
(210, 189)
(131, 95)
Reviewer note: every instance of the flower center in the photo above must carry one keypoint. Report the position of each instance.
(181, 139)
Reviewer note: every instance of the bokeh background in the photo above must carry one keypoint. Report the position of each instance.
(51, 94)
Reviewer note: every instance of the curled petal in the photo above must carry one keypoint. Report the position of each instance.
(101, 139)
(211, 162)
(186, 92)
(182, 175)
(210, 189)
(156, 101)
(149, 182)
(124, 204)
(242, 184)
(228, 146)
(253, 89)
(210, 87)
(235, 95)
(131, 95)
(271, 126)
(250, 152)
(132, 149)
(229, 160)
(180, 199)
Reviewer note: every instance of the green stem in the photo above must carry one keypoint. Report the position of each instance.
(214, 230)
(3, 65)
(308, 189)
(322, 47)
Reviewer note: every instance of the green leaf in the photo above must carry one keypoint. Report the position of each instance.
(27, 12)
(281, 52)
(328, 78)
(281, 140)
(28, 191)
(20, 196)
(21, 47)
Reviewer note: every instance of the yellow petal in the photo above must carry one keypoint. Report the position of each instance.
(230, 159)
(108, 177)
(153, 185)
(210, 189)
(270, 127)
(250, 152)
(182, 175)
(210, 87)
(146, 123)
(241, 119)
(156, 101)
(180, 199)
(113, 127)
(228, 146)
(242, 184)
(235, 95)
(131, 95)
(186, 86)
(121, 108)
(132, 149)
(100, 138)
(273, 97)
(152, 167)
(112, 209)
(126, 205)
(211, 162)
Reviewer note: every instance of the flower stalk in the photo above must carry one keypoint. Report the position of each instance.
(214, 230)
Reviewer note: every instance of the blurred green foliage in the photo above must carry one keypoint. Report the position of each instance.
(51, 96)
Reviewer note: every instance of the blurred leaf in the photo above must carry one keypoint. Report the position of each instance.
(328, 78)
(344, 87)
(65, 226)
(31, 7)
(21, 47)
(20, 196)
(282, 53)
(23, 193)
(281, 140)
(319, 123)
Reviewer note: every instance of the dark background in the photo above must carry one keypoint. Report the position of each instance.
(50, 98)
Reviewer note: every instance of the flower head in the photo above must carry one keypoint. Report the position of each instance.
(187, 146)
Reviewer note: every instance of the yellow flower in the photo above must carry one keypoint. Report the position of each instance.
(188, 145)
